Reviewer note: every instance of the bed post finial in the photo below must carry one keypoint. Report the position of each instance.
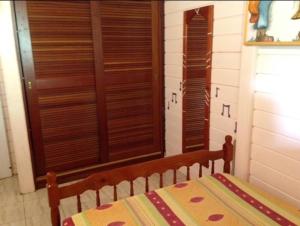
(228, 153)
(53, 197)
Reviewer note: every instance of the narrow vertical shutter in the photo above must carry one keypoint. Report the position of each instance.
(195, 99)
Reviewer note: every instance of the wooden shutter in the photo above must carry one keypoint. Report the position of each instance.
(56, 43)
(197, 63)
(132, 76)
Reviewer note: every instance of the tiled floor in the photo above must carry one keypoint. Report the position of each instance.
(32, 209)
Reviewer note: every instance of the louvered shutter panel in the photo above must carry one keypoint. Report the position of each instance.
(61, 76)
(132, 77)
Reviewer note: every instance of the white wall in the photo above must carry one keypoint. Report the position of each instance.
(14, 99)
(275, 149)
(7, 122)
(227, 43)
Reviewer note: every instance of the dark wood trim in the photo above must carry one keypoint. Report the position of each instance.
(100, 80)
(186, 19)
(29, 77)
(25, 104)
(130, 173)
(157, 73)
(162, 71)
(210, 14)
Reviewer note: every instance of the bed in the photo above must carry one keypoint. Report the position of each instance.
(218, 199)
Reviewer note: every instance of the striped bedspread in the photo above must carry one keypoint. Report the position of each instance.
(219, 199)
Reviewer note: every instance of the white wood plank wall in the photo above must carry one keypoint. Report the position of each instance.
(275, 151)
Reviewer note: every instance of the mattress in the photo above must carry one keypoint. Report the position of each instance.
(219, 199)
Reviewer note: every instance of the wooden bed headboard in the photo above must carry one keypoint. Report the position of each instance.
(129, 173)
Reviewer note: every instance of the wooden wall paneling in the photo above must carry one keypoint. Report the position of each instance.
(228, 26)
(276, 160)
(198, 28)
(225, 77)
(224, 93)
(274, 123)
(233, 43)
(60, 66)
(276, 179)
(226, 60)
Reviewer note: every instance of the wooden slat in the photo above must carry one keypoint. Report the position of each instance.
(188, 173)
(200, 170)
(147, 184)
(79, 208)
(212, 167)
(131, 188)
(98, 203)
(174, 176)
(115, 193)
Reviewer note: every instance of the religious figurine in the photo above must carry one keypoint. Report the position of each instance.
(259, 11)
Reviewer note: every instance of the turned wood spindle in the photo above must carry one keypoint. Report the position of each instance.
(147, 184)
(131, 188)
(200, 170)
(79, 209)
(98, 203)
(212, 167)
(160, 180)
(115, 193)
(188, 173)
(174, 176)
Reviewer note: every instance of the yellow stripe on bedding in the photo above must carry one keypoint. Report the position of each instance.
(142, 210)
(79, 220)
(176, 208)
(202, 206)
(252, 215)
(110, 213)
(272, 202)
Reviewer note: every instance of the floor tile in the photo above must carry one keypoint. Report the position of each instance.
(36, 207)
(15, 223)
(12, 213)
(39, 220)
